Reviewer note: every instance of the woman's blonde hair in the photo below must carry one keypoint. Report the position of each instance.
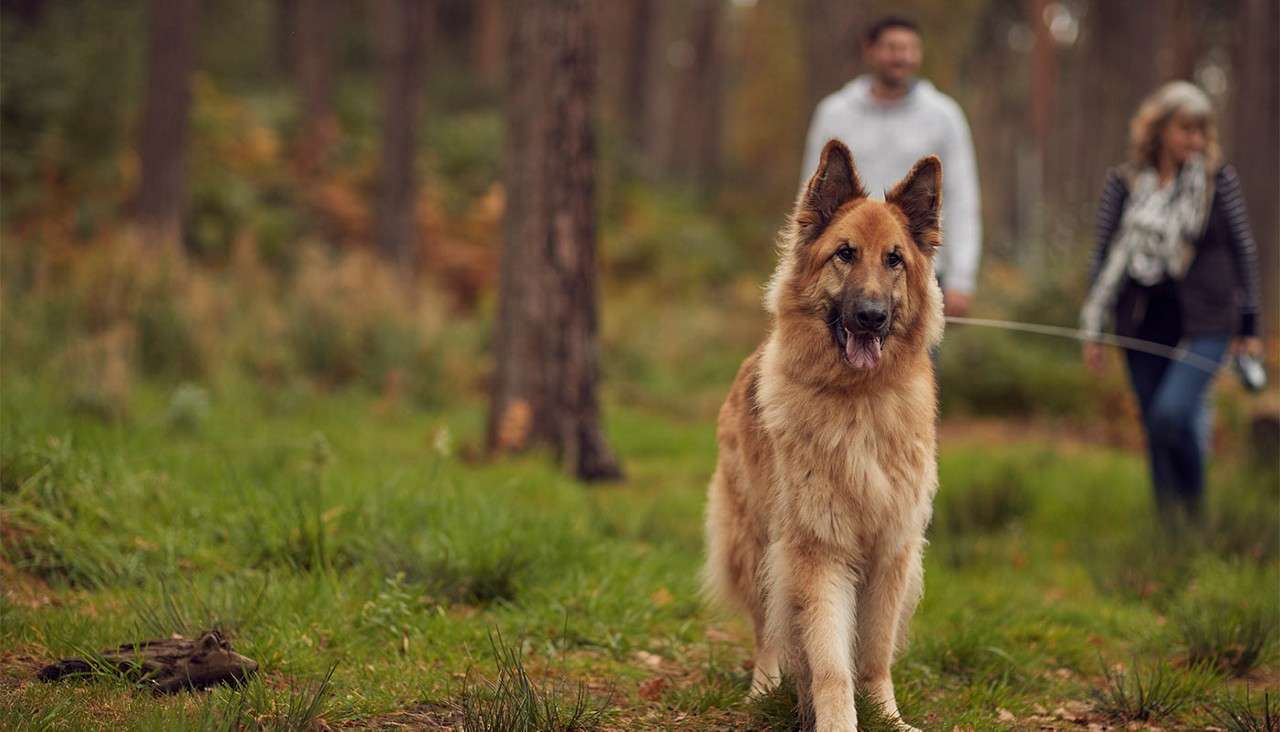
(1147, 126)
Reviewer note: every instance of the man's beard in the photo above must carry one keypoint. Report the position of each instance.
(900, 83)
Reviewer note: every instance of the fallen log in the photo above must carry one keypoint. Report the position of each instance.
(166, 666)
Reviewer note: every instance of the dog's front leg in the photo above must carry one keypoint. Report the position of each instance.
(822, 595)
(882, 617)
(773, 633)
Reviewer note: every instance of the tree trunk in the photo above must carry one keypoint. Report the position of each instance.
(402, 26)
(638, 66)
(1254, 138)
(685, 118)
(544, 391)
(284, 26)
(163, 143)
(831, 45)
(314, 66)
(486, 41)
(704, 94)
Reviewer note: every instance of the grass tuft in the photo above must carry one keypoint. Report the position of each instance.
(1224, 621)
(720, 686)
(301, 708)
(1239, 713)
(1242, 517)
(1230, 638)
(1142, 693)
(484, 579)
(1151, 562)
(513, 702)
(986, 504)
(974, 650)
(782, 710)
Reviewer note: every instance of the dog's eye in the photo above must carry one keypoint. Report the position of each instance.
(893, 260)
(845, 253)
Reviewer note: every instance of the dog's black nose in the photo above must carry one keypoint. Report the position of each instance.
(872, 316)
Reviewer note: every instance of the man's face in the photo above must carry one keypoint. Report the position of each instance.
(895, 56)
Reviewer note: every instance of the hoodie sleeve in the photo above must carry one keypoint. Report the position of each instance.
(961, 211)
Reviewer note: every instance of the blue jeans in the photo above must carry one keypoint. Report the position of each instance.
(1171, 397)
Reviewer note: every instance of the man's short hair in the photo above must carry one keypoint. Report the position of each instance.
(888, 22)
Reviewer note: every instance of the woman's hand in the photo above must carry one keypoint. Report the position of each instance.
(1093, 358)
(1249, 345)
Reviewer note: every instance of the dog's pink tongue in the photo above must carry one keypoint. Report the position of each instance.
(862, 350)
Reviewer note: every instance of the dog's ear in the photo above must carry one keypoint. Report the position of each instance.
(919, 197)
(833, 183)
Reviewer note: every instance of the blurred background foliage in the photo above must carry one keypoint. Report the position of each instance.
(702, 109)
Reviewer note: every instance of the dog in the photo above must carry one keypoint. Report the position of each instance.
(827, 465)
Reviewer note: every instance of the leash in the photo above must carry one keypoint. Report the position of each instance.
(1135, 344)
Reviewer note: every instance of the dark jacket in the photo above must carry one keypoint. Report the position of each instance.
(1218, 295)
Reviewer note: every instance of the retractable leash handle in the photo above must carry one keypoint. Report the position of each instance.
(1195, 360)
(1252, 374)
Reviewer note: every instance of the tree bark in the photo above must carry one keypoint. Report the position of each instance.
(1254, 139)
(831, 45)
(314, 66)
(165, 112)
(402, 26)
(637, 71)
(486, 40)
(544, 390)
(685, 96)
(695, 54)
(284, 28)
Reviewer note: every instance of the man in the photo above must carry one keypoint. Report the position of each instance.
(890, 119)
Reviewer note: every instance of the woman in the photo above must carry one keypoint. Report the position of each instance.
(1174, 263)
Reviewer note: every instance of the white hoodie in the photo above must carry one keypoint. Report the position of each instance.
(887, 138)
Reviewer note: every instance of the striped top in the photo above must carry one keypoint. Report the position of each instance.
(1213, 281)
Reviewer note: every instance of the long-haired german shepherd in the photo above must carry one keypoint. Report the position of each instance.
(827, 469)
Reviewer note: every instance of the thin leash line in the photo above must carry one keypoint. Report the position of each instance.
(1135, 344)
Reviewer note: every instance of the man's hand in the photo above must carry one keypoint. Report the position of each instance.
(956, 303)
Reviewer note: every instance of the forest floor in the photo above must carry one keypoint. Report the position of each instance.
(383, 578)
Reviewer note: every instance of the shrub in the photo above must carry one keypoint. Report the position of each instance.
(352, 318)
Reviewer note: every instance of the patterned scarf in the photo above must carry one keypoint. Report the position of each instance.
(1157, 236)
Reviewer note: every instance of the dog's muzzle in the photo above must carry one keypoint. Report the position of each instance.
(860, 332)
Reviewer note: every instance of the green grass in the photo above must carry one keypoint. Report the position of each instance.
(370, 567)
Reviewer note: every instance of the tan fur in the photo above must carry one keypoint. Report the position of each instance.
(826, 474)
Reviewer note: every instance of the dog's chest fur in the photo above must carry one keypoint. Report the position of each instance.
(852, 470)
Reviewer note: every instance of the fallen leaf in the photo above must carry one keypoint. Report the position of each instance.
(1004, 715)
(651, 690)
(661, 597)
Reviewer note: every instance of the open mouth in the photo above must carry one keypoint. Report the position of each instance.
(862, 349)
